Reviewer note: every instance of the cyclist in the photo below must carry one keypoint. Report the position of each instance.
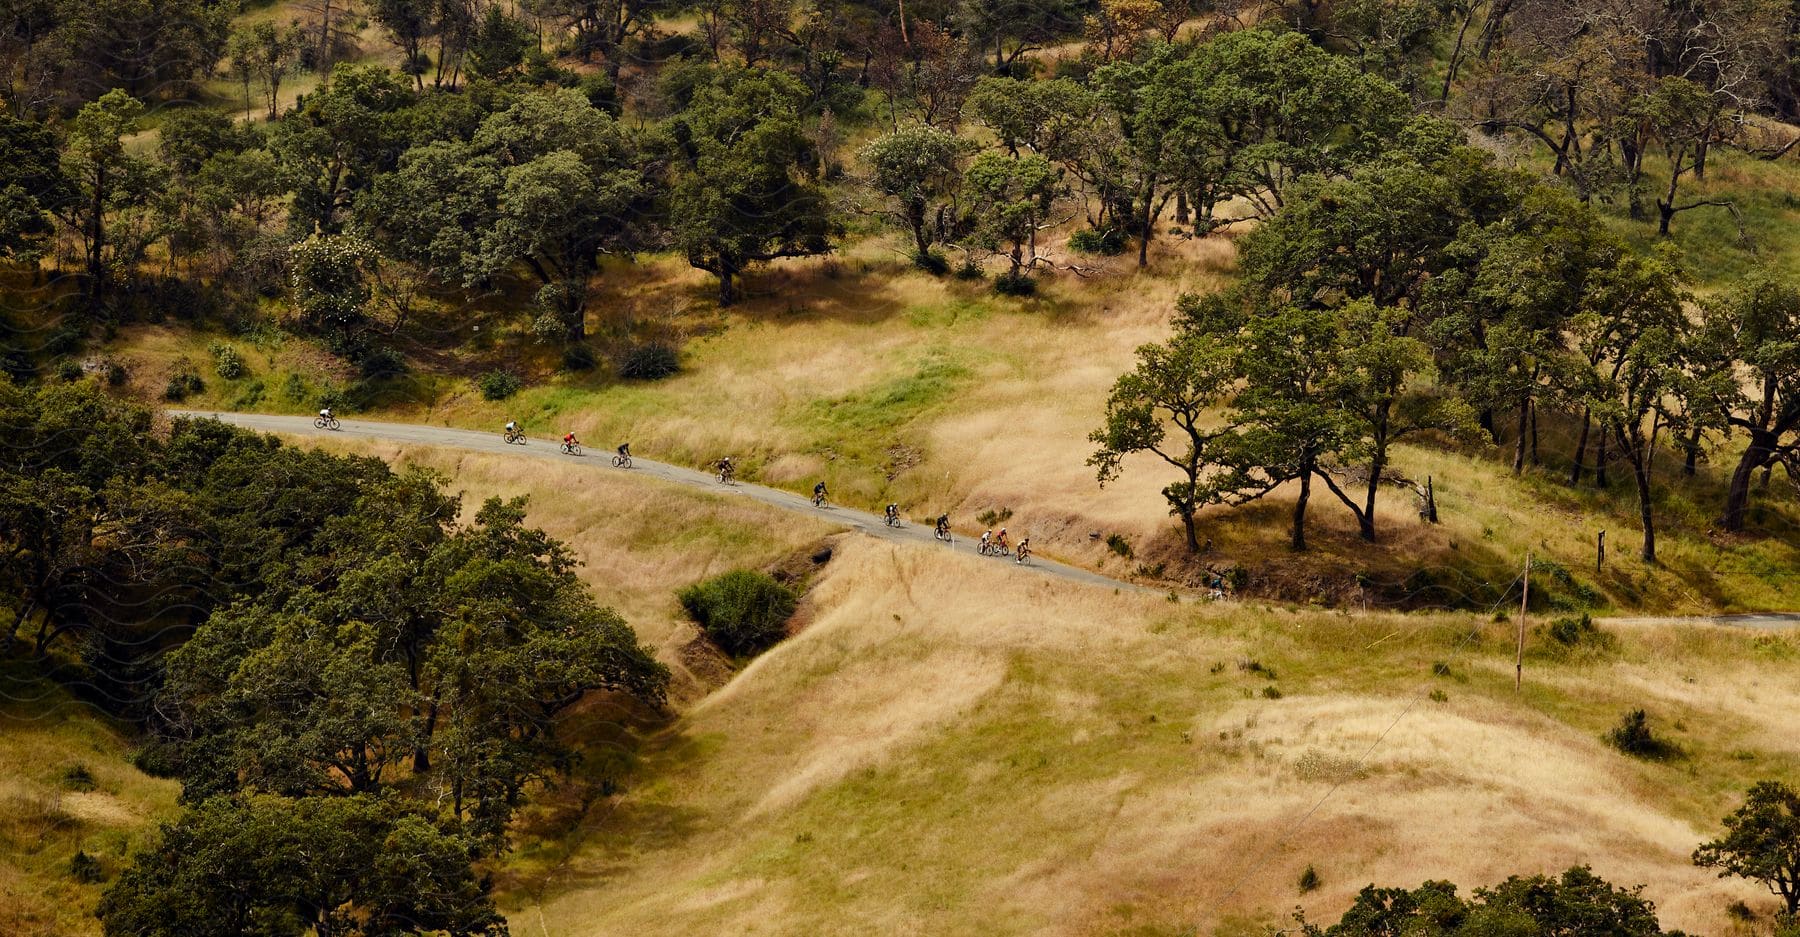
(1024, 549)
(512, 427)
(893, 515)
(325, 414)
(819, 493)
(987, 541)
(943, 526)
(726, 469)
(625, 450)
(569, 441)
(1000, 541)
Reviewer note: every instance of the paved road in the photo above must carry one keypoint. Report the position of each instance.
(1761, 621)
(601, 461)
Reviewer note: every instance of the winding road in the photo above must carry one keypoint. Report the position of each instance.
(601, 460)
(860, 521)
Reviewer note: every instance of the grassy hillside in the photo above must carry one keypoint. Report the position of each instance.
(1049, 759)
(65, 785)
(950, 746)
(896, 386)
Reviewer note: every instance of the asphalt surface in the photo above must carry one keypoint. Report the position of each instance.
(1761, 621)
(600, 460)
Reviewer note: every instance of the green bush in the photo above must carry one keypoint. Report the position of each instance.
(1118, 544)
(380, 363)
(649, 361)
(579, 358)
(498, 385)
(931, 262)
(77, 777)
(1111, 242)
(1309, 880)
(969, 270)
(85, 868)
(184, 383)
(1015, 284)
(742, 611)
(1633, 737)
(70, 370)
(227, 363)
(1579, 632)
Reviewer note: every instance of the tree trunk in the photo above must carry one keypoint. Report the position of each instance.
(1147, 227)
(1600, 461)
(1581, 442)
(728, 293)
(1181, 206)
(1692, 462)
(1535, 460)
(1518, 465)
(1365, 522)
(1188, 528)
(1297, 541)
(1737, 494)
(1640, 470)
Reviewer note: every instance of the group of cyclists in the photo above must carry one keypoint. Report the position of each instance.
(990, 545)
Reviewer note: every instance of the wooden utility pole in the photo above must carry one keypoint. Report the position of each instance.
(1600, 553)
(1524, 599)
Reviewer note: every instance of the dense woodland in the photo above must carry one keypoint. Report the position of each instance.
(334, 661)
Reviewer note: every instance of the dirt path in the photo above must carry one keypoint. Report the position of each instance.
(601, 460)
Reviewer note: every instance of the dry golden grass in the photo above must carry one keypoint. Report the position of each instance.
(953, 749)
(45, 816)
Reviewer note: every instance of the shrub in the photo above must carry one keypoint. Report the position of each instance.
(1309, 880)
(295, 388)
(184, 383)
(991, 517)
(1577, 632)
(1015, 284)
(1439, 696)
(742, 611)
(1271, 692)
(381, 363)
(227, 363)
(579, 358)
(251, 395)
(1256, 667)
(77, 777)
(1440, 669)
(115, 371)
(931, 262)
(969, 270)
(498, 385)
(85, 868)
(1119, 545)
(1633, 737)
(649, 361)
(69, 370)
(1111, 242)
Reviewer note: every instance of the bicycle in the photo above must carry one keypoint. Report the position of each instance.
(1024, 557)
(726, 474)
(621, 461)
(942, 533)
(818, 501)
(992, 549)
(893, 520)
(515, 437)
(571, 448)
(323, 423)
